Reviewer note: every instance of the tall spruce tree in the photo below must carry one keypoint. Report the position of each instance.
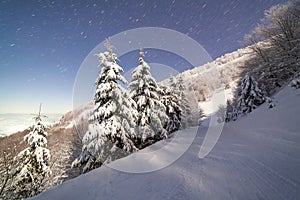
(173, 110)
(112, 122)
(251, 96)
(33, 161)
(179, 89)
(151, 112)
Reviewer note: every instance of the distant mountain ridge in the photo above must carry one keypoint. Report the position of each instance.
(11, 123)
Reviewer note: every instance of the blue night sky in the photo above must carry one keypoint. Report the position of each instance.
(43, 43)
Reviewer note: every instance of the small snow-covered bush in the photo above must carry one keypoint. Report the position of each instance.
(295, 83)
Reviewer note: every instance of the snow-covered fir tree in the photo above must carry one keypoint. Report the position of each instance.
(111, 129)
(151, 112)
(251, 96)
(33, 161)
(231, 113)
(178, 86)
(173, 110)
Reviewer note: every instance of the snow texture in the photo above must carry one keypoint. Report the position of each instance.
(256, 157)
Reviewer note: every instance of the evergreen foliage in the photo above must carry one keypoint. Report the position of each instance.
(151, 111)
(33, 161)
(112, 122)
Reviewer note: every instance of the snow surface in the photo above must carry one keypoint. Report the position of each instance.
(256, 157)
(212, 106)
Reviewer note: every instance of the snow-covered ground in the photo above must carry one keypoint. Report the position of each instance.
(12, 123)
(256, 157)
(212, 106)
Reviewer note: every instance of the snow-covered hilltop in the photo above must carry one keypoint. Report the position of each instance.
(221, 72)
(256, 157)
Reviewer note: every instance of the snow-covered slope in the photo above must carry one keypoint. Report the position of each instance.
(203, 82)
(256, 157)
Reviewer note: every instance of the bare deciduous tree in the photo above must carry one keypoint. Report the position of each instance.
(276, 41)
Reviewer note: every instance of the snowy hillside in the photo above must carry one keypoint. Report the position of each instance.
(223, 71)
(209, 80)
(256, 157)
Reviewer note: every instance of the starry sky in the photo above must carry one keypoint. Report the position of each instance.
(43, 43)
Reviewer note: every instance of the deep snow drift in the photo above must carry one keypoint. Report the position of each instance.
(256, 157)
